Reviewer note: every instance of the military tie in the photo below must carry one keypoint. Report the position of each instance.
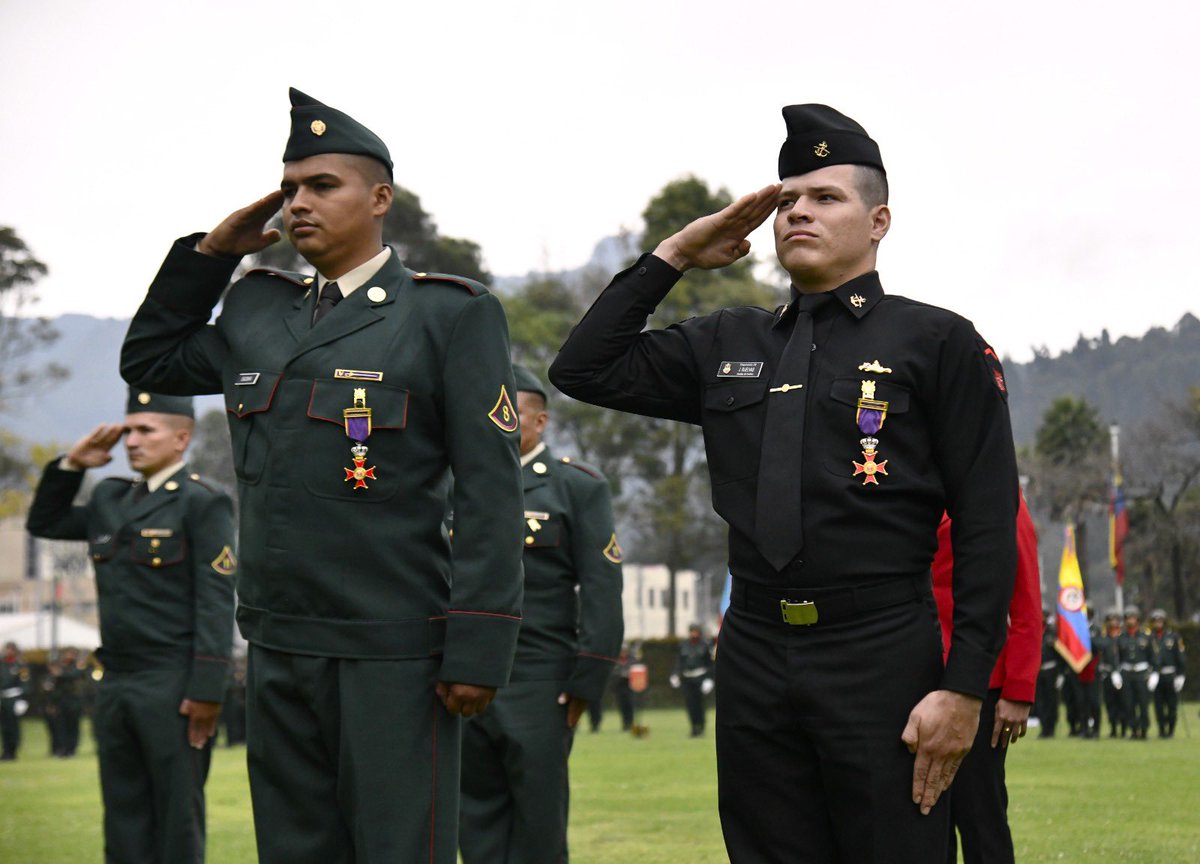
(331, 295)
(778, 532)
(140, 490)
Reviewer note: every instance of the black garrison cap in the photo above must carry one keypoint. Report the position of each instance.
(317, 128)
(143, 400)
(818, 136)
(528, 382)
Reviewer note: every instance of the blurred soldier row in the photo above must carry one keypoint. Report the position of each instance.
(1131, 668)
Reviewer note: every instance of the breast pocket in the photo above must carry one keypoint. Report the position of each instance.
(248, 397)
(547, 534)
(733, 421)
(336, 465)
(894, 433)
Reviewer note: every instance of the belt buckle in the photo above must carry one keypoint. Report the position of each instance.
(803, 613)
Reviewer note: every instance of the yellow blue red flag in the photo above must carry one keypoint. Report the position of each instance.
(1074, 640)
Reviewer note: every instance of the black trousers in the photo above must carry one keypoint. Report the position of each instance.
(1166, 705)
(10, 728)
(350, 761)
(1113, 707)
(1046, 707)
(979, 798)
(624, 703)
(693, 698)
(810, 765)
(151, 779)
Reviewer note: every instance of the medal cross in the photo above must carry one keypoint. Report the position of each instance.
(869, 468)
(359, 473)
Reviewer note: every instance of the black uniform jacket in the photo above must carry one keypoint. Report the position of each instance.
(165, 570)
(572, 624)
(946, 438)
(331, 567)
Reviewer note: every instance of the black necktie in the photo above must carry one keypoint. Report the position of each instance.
(331, 295)
(778, 532)
(140, 490)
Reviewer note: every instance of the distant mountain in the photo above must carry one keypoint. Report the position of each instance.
(1127, 380)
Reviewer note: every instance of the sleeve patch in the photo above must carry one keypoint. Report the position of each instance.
(225, 563)
(503, 414)
(993, 363)
(613, 551)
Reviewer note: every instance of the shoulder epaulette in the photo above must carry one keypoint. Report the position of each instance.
(128, 481)
(205, 484)
(475, 288)
(586, 469)
(297, 279)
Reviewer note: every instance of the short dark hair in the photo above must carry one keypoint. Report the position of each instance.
(372, 170)
(872, 185)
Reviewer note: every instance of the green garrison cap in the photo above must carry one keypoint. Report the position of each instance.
(528, 382)
(143, 400)
(819, 136)
(317, 128)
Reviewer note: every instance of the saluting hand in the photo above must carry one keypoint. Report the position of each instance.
(464, 699)
(93, 450)
(719, 239)
(940, 732)
(202, 720)
(242, 231)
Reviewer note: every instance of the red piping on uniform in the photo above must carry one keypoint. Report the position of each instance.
(597, 656)
(488, 614)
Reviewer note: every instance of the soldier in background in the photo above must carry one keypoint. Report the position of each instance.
(1167, 650)
(68, 693)
(234, 712)
(694, 672)
(1104, 646)
(1136, 661)
(1049, 679)
(621, 687)
(14, 693)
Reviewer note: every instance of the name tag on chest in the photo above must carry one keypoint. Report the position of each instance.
(739, 369)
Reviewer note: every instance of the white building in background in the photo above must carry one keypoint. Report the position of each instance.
(646, 599)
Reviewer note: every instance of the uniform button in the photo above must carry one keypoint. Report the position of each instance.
(96, 557)
(641, 271)
(156, 561)
(729, 401)
(528, 541)
(154, 544)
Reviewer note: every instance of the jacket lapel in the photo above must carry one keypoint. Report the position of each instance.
(354, 313)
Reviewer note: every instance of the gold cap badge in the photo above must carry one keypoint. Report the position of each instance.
(822, 149)
(143, 398)
(317, 127)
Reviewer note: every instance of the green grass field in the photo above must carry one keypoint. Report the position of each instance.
(653, 801)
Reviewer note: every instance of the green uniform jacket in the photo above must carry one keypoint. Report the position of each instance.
(164, 570)
(570, 543)
(1134, 651)
(1168, 653)
(330, 567)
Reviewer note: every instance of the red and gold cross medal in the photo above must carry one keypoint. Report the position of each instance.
(870, 416)
(357, 421)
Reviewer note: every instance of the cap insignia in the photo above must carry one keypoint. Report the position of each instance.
(857, 300)
(822, 149)
(143, 398)
(317, 127)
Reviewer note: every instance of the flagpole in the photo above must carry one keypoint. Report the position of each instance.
(1114, 436)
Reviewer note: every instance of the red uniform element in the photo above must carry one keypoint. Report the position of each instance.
(1017, 666)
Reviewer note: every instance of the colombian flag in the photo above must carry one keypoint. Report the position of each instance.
(1118, 527)
(1074, 641)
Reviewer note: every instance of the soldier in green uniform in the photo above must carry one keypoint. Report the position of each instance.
(1135, 665)
(1104, 646)
(1049, 680)
(70, 677)
(14, 693)
(352, 394)
(162, 548)
(694, 673)
(514, 774)
(1167, 649)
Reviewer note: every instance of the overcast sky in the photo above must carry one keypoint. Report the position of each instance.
(1041, 154)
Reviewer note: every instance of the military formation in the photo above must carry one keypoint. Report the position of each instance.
(432, 597)
(1135, 672)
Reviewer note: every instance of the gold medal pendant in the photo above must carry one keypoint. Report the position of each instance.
(360, 473)
(869, 468)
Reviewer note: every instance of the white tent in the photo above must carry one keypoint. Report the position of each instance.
(33, 631)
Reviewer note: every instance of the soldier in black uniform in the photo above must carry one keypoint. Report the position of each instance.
(1050, 679)
(352, 393)
(694, 673)
(837, 429)
(514, 771)
(70, 678)
(1104, 646)
(1136, 664)
(1167, 649)
(162, 548)
(621, 691)
(14, 695)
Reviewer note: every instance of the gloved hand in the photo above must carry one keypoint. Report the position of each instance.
(1179, 683)
(1117, 681)
(674, 679)
(1152, 681)
(1058, 682)
(20, 707)
(706, 686)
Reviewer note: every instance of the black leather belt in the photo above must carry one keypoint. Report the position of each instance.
(808, 606)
